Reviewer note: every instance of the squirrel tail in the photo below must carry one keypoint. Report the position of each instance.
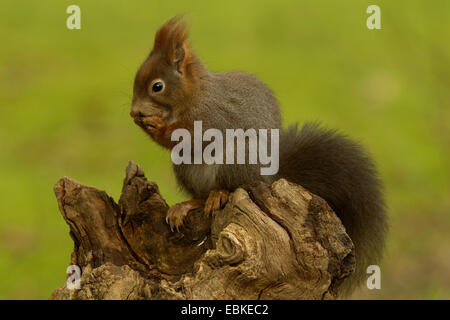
(338, 170)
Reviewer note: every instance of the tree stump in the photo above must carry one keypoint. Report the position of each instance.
(269, 242)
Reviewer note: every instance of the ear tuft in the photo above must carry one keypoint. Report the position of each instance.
(171, 39)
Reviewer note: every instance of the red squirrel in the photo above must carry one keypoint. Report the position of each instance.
(173, 88)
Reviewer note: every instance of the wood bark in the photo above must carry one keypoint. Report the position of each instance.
(269, 242)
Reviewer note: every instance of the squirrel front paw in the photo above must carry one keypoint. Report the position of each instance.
(157, 129)
(216, 200)
(153, 125)
(177, 212)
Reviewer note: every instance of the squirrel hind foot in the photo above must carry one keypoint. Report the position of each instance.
(177, 212)
(216, 200)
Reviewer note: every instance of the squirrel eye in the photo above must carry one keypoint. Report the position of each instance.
(158, 86)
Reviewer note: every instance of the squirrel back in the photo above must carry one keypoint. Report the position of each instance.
(230, 100)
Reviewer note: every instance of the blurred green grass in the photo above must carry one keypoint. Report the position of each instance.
(65, 95)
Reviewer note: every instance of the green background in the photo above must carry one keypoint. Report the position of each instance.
(65, 98)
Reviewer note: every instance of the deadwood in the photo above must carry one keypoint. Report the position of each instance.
(269, 242)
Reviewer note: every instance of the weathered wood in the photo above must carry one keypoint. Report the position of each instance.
(269, 242)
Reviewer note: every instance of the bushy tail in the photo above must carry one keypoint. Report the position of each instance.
(337, 169)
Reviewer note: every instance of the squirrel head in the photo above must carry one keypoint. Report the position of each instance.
(166, 81)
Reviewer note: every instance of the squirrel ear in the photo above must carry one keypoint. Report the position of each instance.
(171, 40)
(180, 57)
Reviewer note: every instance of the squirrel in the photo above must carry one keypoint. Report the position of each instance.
(173, 88)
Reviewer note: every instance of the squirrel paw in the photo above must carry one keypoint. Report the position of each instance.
(216, 200)
(177, 212)
(152, 124)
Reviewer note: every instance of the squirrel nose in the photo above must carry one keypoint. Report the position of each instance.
(135, 113)
(137, 110)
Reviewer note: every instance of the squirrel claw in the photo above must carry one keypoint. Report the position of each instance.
(216, 200)
(167, 221)
(177, 213)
